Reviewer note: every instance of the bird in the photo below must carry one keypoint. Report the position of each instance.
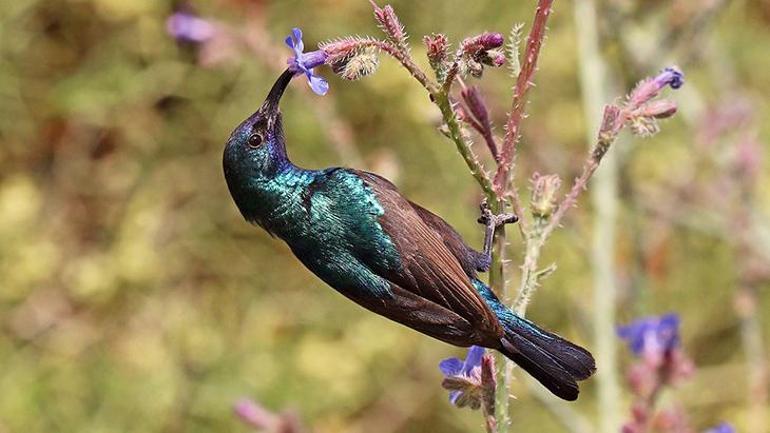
(356, 232)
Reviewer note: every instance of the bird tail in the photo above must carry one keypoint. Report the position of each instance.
(555, 362)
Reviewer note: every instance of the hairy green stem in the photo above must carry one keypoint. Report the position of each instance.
(604, 197)
(454, 133)
(497, 276)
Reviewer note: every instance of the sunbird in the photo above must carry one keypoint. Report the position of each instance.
(357, 233)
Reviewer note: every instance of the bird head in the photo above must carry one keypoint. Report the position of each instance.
(256, 148)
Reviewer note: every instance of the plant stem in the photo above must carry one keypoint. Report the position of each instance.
(523, 84)
(471, 160)
(604, 197)
(452, 72)
(497, 277)
(747, 305)
(506, 188)
(406, 61)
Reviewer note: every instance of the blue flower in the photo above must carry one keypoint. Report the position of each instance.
(652, 335)
(463, 378)
(722, 428)
(305, 62)
(187, 27)
(670, 76)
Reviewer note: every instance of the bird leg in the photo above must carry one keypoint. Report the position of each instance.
(492, 222)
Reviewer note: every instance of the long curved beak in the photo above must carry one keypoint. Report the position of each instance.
(270, 106)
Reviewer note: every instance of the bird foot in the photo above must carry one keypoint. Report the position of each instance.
(488, 219)
(492, 222)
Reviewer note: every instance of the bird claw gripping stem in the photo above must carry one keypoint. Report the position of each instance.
(492, 222)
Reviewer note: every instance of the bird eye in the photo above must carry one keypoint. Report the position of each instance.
(255, 140)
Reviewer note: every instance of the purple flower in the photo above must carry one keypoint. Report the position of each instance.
(305, 62)
(463, 378)
(654, 336)
(670, 76)
(187, 27)
(722, 428)
(651, 87)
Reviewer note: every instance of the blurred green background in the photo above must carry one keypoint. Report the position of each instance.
(134, 298)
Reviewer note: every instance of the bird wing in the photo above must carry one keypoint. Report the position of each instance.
(428, 268)
(470, 259)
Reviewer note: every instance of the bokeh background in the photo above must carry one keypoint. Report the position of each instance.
(134, 298)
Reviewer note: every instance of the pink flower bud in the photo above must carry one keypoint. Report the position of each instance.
(336, 50)
(660, 109)
(649, 88)
(389, 22)
(488, 381)
(475, 102)
(483, 42)
(437, 46)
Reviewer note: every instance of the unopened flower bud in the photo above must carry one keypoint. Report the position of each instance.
(649, 88)
(660, 109)
(475, 103)
(340, 49)
(483, 42)
(544, 192)
(389, 23)
(488, 381)
(437, 46)
(670, 76)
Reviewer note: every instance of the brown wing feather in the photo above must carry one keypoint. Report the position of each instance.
(469, 258)
(430, 270)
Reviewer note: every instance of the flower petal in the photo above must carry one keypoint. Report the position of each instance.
(185, 26)
(297, 33)
(722, 428)
(472, 359)
(668, 331)
(319, 85)
(289, 42)
(450, 366)
(652, 334)
(453, 396)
